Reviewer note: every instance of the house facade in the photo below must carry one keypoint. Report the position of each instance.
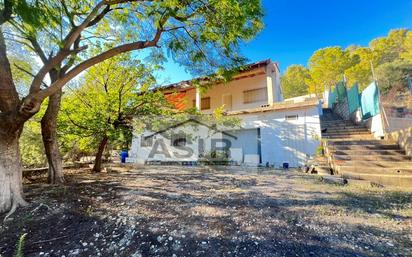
(272, 131)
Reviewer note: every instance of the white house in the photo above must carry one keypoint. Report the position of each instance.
(272, 131)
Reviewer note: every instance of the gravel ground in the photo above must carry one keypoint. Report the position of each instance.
(177, 211)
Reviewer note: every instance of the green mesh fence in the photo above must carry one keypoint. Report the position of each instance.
(341, 91)
(332, 98)
(353, 98)
(370, 101)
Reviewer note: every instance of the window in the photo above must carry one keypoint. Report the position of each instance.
(255, 95)
(178, 140)
(227, 102)
(400, 112)
(146, 141)
(291, 117)
(204, 104)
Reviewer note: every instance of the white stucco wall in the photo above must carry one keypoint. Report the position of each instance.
(282, 141)
(277, 88)
(396, 124)
(140, 154)
(375, 125)
(286, 141)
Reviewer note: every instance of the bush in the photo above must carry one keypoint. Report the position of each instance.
(31, 146)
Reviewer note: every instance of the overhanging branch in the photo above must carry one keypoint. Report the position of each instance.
(33, 100)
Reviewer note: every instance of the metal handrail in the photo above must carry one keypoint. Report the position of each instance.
(329, 156)
(385, 118)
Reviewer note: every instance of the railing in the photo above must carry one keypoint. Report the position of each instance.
(384, 117)
(329, 156)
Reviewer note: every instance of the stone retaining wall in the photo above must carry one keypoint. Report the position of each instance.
(403, 138)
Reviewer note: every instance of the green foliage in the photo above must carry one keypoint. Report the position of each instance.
(31, 145)
(294, 81)
(390, 48)
(204, 36)
(20, 246)
(390, 56)
(216, 158)
(110, 96)
(326, 67)
(361, 71)
(21, 69)
(393, 74)
(320, 151)
(407, 45)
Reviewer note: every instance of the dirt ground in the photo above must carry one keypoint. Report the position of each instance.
(177, 211)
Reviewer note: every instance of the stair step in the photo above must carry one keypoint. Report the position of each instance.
(345, 128)
(333, 123)
(360, 142)
(376, 170)
(377, 164)
(363, 147)
(369, 152)
(383, 179)
(348, 137)
(393, 158)
(337, 123)
(346, 133)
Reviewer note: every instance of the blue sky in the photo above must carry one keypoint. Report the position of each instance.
(294, 29)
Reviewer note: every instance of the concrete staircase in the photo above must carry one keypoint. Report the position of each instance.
(353, 152)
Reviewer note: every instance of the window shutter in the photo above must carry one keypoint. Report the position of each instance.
(227, 102)
(255, 95)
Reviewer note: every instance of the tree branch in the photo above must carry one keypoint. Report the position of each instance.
(9, 97)
(76, 31)
(69, 15)
(32, 102)
(6, 12)
(75, 123)
(69, 40)
(29, 73)
(100, 16)
(21, 42)
(52, 62)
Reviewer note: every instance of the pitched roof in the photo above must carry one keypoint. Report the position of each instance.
(188, 83)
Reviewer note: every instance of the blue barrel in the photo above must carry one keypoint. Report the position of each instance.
(123, 155)
(285, 165)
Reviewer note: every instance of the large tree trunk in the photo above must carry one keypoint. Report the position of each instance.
(11, 124)
(51, 145)
(11, 188)
(98, 161)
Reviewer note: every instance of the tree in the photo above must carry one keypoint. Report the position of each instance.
(361, 70)
(327, 67)
(393, 74)
(391, 47)
(102, 109)
(200, 34)
(294, 81)
(407, 45)
(31, 145)
(389, 56)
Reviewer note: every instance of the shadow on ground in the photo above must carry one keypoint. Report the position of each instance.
(175, 211)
